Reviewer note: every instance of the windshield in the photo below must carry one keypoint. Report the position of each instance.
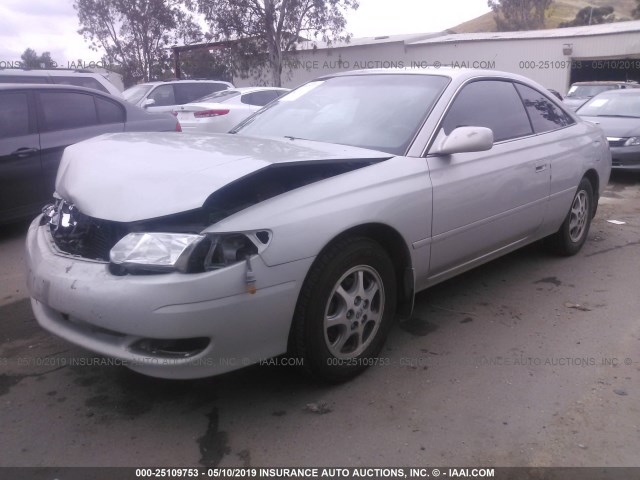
(218, 97)
(381, 112)
(589, 90)
(135, 94)
(612, 105)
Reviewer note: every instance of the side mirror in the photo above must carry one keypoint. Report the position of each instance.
(464, 139)
(149, 102)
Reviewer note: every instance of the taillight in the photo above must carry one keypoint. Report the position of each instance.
(209, 113)
(178, 127)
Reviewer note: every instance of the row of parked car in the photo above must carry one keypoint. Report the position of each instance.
(615, 107)
(581, 92)
(617, 112)
(42, 112)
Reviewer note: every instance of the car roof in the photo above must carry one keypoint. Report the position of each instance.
(621, 91)
(255, 89)
(165, 82)
(453, 73)
(458, 76)
(44, 72)
(50, 86)
(57, 86)
(606, 82)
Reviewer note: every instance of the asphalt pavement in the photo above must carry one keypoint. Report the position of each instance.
(530, 360)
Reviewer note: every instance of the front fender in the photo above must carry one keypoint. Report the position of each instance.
(395, 192)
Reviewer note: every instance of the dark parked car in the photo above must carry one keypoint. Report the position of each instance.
(581, 92)
(618, 114)
(37, 122)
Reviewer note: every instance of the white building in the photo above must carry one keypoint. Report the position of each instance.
(555, 58)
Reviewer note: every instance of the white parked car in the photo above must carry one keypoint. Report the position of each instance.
(166, 96)
(312, 225)
(221, 111)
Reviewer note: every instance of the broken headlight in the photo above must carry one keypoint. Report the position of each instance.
(154, 251)
(188, 253)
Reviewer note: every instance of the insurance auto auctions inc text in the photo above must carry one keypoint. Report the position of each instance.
(399, 64)
(373, 473)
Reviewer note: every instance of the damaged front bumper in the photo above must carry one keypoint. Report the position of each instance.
(170, 325)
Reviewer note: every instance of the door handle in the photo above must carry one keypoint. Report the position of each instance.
(24, 152)
(541, 168)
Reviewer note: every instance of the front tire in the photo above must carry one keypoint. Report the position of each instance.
(574, 230)
(345, 309)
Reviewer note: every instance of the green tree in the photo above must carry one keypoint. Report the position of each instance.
(591, 16)
(262, 32)
(202, 63)
(136, 34)
(30, 59)
(513, 15)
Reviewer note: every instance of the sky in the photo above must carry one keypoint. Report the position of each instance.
(52, 25)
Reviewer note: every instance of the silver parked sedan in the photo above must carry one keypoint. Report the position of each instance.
(313, 226)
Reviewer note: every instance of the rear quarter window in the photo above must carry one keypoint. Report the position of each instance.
(544, 114)
(109, 112)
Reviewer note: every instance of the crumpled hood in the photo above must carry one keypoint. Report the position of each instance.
(617, 126)
(127, 177)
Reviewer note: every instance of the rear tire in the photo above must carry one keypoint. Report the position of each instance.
(574, 230)
(345, 310)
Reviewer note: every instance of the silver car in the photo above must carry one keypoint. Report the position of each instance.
(313, 226)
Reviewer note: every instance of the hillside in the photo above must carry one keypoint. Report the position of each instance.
(560, 11)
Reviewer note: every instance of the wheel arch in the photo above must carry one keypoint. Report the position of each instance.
(395, 246)
(594, 179)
